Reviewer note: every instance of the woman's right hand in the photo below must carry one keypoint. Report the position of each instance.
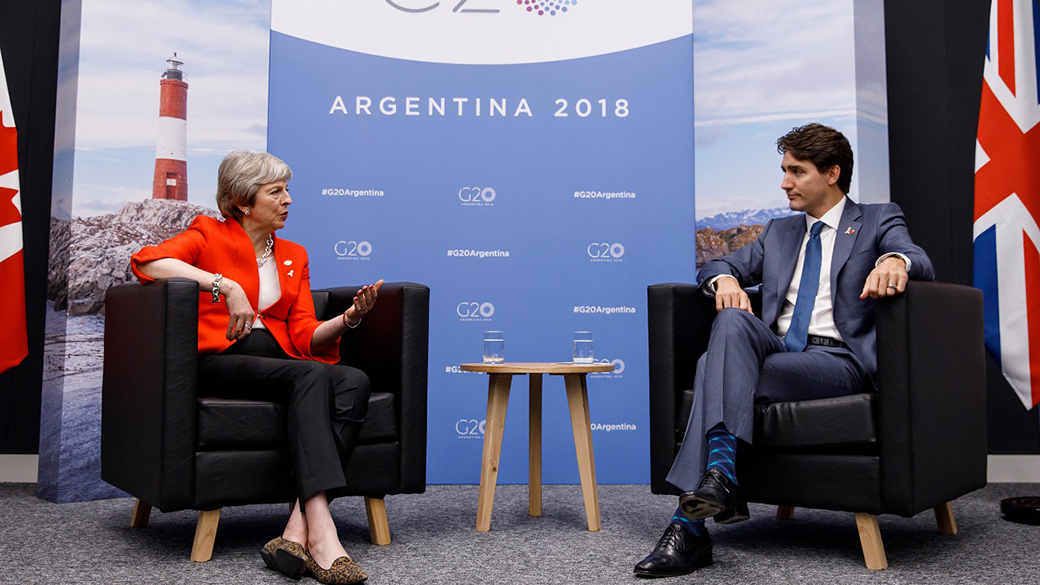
(241, 312)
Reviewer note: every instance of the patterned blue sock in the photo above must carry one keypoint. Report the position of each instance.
(722, 451)
(694, 527)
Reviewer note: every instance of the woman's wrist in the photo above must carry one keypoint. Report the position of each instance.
(351, 321)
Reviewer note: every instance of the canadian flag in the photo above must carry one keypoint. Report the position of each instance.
(13, 343)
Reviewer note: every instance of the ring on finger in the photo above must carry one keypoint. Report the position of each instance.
(893, 287)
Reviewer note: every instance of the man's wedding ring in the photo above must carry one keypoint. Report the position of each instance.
(892, 286)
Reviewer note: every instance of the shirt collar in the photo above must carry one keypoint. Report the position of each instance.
(830, 219)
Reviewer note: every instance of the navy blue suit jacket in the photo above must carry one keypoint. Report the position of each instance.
(865, 233)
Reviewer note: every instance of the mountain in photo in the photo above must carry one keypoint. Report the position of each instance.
(747, 217)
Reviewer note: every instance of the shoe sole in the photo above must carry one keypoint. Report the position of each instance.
(285, 563)
(732, 517)
(700, 562)
(698, 509)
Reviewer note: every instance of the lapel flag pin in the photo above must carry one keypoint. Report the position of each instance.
(849, 231)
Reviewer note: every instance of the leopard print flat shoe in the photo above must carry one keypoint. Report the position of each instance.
(343, 571)
(285, 556)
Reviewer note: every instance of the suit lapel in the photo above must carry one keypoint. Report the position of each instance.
(286, 269)
(790, 247)
(244, 260)
(845, 239)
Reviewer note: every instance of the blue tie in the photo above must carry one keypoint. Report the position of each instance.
(798, 333)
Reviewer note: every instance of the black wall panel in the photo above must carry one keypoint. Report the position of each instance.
(935, 53)
(29, 41)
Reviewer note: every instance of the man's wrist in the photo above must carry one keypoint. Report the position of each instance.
(903, 257)
(710, 287)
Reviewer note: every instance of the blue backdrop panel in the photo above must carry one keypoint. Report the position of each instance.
(528, 221)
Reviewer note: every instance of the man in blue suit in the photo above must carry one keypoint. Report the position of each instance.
(820, 272)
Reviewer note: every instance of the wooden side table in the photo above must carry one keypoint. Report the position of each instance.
(500, 378)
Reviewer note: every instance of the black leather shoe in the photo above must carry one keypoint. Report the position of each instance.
(716, 496)
(677, 553)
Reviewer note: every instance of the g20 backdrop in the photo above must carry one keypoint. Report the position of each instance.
(531, 161)
(535, 169)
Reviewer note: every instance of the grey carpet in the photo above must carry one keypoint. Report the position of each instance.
(435, 542)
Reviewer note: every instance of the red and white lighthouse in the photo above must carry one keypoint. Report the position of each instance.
(171, 151)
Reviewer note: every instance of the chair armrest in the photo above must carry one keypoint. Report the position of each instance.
(679, 320)
(391, 345)
(932, 395)
(148, 391)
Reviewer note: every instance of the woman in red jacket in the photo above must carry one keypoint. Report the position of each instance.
(258, 337)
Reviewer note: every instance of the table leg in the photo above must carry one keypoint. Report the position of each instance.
(578, 400)
(498, 400)
(534, 446)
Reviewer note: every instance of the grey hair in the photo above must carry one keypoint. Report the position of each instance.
(241, 174)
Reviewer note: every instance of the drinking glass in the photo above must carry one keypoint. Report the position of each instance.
(494, 347)
(583, 347)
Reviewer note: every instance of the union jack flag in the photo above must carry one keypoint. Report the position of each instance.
(1007, 195)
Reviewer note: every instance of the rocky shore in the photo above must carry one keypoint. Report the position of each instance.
(90, 254)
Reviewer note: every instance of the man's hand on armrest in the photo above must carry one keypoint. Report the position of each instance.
(887, 279)
(728, 293)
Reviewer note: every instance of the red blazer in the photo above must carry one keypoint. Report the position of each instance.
(224, 247)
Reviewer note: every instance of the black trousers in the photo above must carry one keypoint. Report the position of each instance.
(325, 404)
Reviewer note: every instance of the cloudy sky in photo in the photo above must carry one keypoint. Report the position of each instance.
(761, 68)
(122, 55)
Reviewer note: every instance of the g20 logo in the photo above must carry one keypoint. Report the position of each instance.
(475, 309)
(477, 195)
(416, 6)
(469, 427)
(353, 249)
(619, 366)
(605, 250)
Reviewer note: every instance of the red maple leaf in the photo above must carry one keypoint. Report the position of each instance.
(8, 162)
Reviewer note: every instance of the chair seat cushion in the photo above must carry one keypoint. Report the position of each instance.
(240, 424)
(848, 422)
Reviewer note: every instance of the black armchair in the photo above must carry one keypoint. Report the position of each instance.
(173, 449)
(918, 443)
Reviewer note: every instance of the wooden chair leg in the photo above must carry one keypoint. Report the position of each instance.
(944, 518)
(205, 535)
(142, 510)
(870, 539)
(784, 512)
(378, 527)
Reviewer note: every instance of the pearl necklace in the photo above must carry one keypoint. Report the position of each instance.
(267, 252)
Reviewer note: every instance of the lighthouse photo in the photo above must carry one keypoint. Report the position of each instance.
(171, 150)
(121, 182)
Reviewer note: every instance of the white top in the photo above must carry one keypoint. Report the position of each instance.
(270, 290)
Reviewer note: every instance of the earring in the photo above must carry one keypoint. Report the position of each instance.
(245, 211)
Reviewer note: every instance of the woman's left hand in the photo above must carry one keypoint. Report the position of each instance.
(363, 302)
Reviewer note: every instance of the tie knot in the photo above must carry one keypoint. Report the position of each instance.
(815, 231)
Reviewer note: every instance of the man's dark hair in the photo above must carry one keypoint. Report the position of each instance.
(823, 146)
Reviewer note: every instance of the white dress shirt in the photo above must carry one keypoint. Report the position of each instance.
(821, 322)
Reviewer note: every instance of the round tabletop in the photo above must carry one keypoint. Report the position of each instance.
(537, 368)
